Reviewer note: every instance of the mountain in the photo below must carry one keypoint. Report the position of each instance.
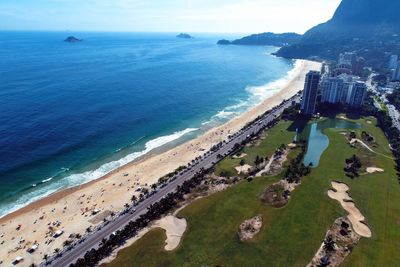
(267, 38)
(369, 27)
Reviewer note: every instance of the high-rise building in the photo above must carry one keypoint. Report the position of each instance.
(358, 67)
(357, 94)
(393, 61)
(342, 69)
(396, 73)
(348, 81)
(310, 92)
(331, 90)
(349, 63)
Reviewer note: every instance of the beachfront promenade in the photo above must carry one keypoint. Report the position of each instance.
(92, 241)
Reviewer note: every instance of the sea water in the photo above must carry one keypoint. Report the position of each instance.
(72, 112)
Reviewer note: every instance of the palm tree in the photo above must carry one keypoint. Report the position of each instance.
(154, 186)
(242, 162)
(134, 198)
(329, 244)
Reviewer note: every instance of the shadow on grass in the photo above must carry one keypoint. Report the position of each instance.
(333, 110)
(298, 124)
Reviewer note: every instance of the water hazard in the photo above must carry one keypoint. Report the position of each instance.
(318, 142)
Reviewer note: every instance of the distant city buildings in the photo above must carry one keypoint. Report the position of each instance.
(347, 58)
(349, 63)
(357, 94)
(394, 66)
(396, 74)
(358, 67)
(393, 62)
(310, 92)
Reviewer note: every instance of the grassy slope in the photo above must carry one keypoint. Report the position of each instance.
(291, 235)
(276, 136)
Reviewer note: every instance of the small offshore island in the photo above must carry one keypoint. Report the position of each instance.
(72, 39)
(184, 36)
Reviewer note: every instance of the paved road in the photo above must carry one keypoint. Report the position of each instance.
(393, 112)
(208, 161)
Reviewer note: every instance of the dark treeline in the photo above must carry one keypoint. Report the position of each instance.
(297, 169)
(394, 98)
(353, 166)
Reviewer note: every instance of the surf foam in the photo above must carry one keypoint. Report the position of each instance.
(49, 187)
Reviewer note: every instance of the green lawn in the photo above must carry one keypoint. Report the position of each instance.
(291, 235)
(277, 136)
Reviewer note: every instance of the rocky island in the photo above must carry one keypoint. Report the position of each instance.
(224, 42)
(72, 39)
(184, 36)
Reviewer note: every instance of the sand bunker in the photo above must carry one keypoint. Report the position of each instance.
(174, 228)
(355, 216)
(240, 156)
(292, 145)
(374, 170)
(249, 228)
(243, 169)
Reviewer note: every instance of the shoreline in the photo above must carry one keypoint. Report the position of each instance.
(73, 206)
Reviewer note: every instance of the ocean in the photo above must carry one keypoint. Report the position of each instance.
(72, 112)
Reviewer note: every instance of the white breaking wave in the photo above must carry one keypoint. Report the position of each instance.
(257, 95)
(224, 114)
(260, 93)
(47, 180)
(81, 178)
(106, 168)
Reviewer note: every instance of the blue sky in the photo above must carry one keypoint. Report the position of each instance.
(236, 16)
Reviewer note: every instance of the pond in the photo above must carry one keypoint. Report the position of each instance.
(318, 142)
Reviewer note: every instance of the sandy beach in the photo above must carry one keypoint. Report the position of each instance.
(74, 210)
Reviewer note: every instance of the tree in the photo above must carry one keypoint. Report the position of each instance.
(329, 244)
(134, 198)
(242, 163)
(258, 160)
(154, 186)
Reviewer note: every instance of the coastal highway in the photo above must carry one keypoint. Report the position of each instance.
(68, 257)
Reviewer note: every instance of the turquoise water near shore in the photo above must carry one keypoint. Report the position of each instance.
(72, 112)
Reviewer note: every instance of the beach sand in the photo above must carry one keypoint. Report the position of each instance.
(71, 210)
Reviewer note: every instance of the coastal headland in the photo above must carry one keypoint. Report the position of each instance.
(75, 211)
